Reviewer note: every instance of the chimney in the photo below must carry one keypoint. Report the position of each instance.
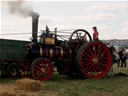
(34, 28)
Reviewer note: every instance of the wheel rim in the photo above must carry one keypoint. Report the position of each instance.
(96, 60)
(42, 70)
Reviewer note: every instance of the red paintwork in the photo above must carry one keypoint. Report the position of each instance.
(37, 70)
(96, 60)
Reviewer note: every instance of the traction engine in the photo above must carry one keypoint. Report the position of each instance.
(78, 56)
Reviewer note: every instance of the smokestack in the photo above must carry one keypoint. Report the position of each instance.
(34, 28)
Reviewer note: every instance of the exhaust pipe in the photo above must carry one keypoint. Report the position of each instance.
(34, 28)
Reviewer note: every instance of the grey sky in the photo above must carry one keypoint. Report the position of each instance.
(110, 17)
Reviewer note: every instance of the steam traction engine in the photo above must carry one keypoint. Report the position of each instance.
(80, 55)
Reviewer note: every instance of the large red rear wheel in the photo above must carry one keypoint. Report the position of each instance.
(94, 60)
(42, 69)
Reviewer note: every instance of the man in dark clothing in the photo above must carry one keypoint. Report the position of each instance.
(124, 58)
(120, 53)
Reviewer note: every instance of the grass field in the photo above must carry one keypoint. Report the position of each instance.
(61, 85)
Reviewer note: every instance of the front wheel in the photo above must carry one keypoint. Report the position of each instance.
(94, 60)
(41, 69)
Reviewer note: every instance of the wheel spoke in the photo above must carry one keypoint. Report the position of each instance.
(102, 68)
(99, 51)
(86, 54)
(89, 68)
(99, 68)
(90, 51)
(86, 65)
(77, 36)
(94, 68)
(94, 50)
(101, 64)
(85, 60)
(96, 72)
(104, 58)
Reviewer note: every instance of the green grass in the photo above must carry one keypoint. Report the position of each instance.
(66, 86)
(62, 85)
(7, 81)
(112, 85)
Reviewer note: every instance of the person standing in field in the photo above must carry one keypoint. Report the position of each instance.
(120, 53)
(124, 58)
(95, 34)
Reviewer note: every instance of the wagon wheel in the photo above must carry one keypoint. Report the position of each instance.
(24, 70)
(1, 71)
(80, 35)
(94, 60)
(41, 69)
(12, 70)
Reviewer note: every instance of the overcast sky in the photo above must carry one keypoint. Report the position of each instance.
(110, 17)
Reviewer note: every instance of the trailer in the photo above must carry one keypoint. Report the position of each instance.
(11, 51)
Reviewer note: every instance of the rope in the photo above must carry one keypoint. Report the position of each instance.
(60, 31)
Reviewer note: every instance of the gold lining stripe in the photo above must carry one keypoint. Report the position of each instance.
(61, 52)
(51, 53)
(70, 51)
(57, 51)
(41, 51)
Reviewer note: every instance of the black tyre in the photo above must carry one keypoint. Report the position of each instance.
(12, 70)
(1, 71)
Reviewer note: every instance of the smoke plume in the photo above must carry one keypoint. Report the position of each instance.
(18, 7)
